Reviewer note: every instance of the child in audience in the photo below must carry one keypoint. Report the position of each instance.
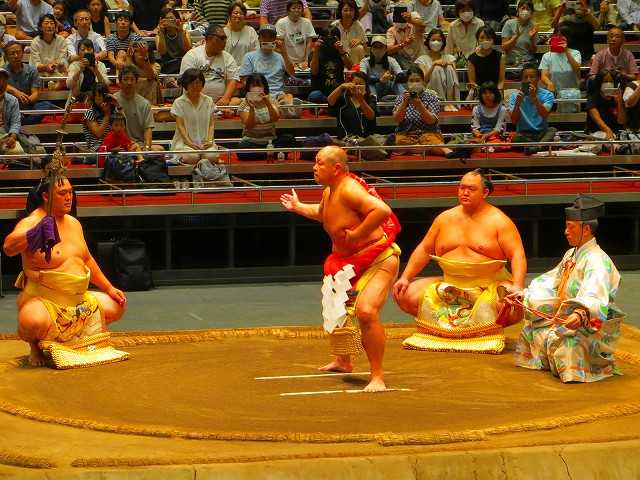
(489, 118)
(117, 139)
(64, 27)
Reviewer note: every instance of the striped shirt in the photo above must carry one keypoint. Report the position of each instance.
(115, 43)
(93, 114)
(213, 11)
(275, 9)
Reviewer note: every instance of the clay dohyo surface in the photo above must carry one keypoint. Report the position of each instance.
(207, 389)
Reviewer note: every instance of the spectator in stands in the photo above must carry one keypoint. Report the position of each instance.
(546, 14)
(24, 83)
(328, 59)
(137, 109)
(578, 28)
(486, 64)
(97, 118)
(273, 10)
(605, 105)
(85, 72)
(72, 6)
(117, 139)
(354, 107)
(615, 58)
(381, 69)
(529, 108)
(218, 67)
(405, 38)
(146, 15)
(520, 36)
(63, 25)
(440, 70)
(560, 66)
(489, 117)
(624, 13)
(50, 52)
(10, 115)
(416, 112)
(118, 43)
(352, 34)
(241, 38)
(82, 22)
(148, 86)
(431, 15)
(194, 114)
(259, 113)
(28, 12)
(172, 41)
(631, 99)
(213, 12)
(462, 40)
(272, 64)
(5, 38)
(99, 19)
(297, 32)
(493, 12)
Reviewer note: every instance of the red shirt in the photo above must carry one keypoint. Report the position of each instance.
(116, 140)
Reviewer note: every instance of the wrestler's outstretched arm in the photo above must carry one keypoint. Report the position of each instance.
(419, 259)
(511, 244)
(309, 210)
(97, 277)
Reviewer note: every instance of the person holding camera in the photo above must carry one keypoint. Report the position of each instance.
(529, 108)
(381, 69)
(97, 119)
(85, 72)
(354, 107)
(82, 22)
(605, 106)
(172, 41)
(404, 38)
(328, 59)
(416, 112)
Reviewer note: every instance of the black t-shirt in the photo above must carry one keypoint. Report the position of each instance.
(330, 73)
(579, 36)
(98, 26)
(491, 9)
(146, 13)
(72, 6)
(351, 120)
(607, 108)
(487, 68)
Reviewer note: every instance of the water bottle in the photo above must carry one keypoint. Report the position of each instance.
(556, 139)
(270, 151)
(281, 157)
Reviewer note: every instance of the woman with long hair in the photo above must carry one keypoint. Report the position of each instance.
(352, 33)
(99, 17)
(172, 41)
(605, 107)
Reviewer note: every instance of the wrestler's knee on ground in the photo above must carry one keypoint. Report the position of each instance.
(33, 320)
(111, 310)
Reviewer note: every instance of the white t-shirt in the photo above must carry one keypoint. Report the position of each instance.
(295, 36)
(217, 70)
(429, 13)
(557, 62)
(629, 91)
(240, 43)
(196, 119)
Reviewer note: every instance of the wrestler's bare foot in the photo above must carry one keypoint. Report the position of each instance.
(375, 385)
(36, 357)
(342, 363)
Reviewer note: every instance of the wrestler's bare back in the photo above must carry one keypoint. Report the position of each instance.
(339, 213)
(472, 238)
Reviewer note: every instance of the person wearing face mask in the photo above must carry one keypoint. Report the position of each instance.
(297, 32)
(381, 69)
(486, 64)
(560, 68)
(259, 113)
(328, 59)
(351, 31)
(272, 61)
(439, 70)
(354, 107)
(520, 36)
(4, 37)
(579, 27)
(461, 40)
(416, 112)
(615, 58)
(529, 108)
(404, 38)
(605, 106)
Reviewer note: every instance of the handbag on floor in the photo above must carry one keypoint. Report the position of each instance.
(375, 140)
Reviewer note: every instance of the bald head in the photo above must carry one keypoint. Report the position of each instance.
(333, 154)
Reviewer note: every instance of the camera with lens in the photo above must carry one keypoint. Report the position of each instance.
(413, 94)
(91, 58)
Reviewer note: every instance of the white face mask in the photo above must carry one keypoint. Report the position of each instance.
(486, 44)
(466, 16)
(267, 46)
(524, 14)
(378, 53)
(435, 45)
(416, 87)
